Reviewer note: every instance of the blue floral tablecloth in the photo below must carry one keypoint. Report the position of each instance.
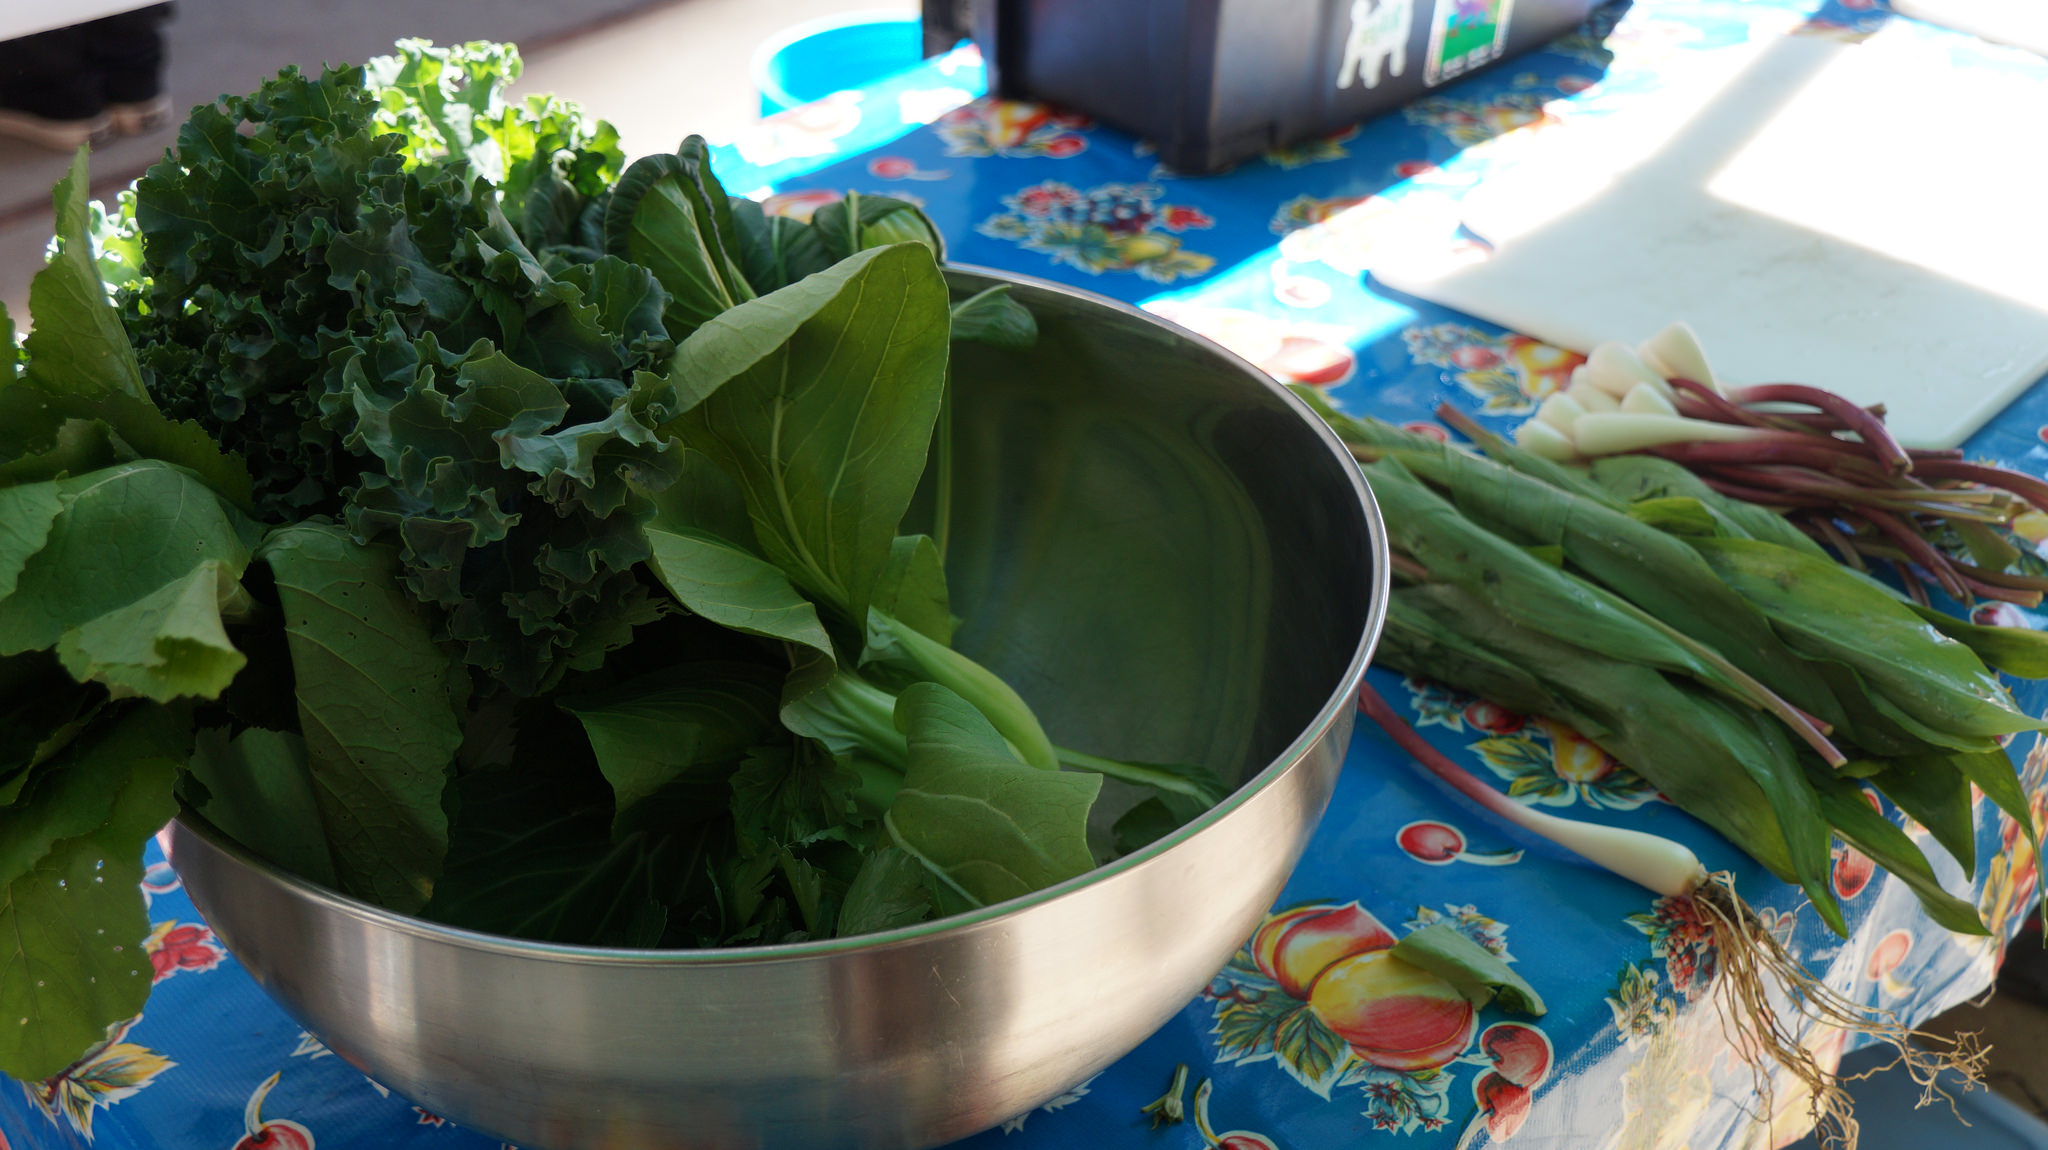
(1273, 260)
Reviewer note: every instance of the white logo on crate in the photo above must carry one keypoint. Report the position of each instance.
(1379, 37)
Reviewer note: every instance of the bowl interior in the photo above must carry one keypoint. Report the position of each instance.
(1168, 564)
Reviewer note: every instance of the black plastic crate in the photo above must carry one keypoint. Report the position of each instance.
(1213, 82)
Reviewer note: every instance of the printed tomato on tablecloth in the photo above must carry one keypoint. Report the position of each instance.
(1319, 991)
(1291, 352)
(275, 1133)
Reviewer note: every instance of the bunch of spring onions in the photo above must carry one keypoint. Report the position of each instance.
(1829, 466)
(1713, 647)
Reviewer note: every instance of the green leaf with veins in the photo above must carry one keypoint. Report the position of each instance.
(913, 588)
(991, 826)
(76, 342)
(888, 892)
(826, 431)
(168, 644)
(690, 722)
(378, 701)
(531, 855)
(260, 792)
(993, 318)
(790, 793)
(702, 549)
(72, 921)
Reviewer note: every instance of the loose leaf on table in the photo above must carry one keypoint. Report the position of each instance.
(128, 581)
(1654, 570)
(378, 701)
(1830, 613)
(826, 431)
(1477, 972)
(888, 892)
(685, 724)
(72, 921)
(1671, 735)
(988, 825)
(994, 318)
(702, 549)
(260, 792)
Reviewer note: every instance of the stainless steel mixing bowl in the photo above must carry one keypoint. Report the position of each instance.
(1140, 516)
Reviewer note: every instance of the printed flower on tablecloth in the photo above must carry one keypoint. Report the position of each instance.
(1012, 1125)
(1550, 764)
(1509, 374)
(1469, 122)
(1319, 150)
(1640, 1012)
(108, 1073)
(1318, 992)
(1437, 705)
(427, 1117)
(1542, 761)
(1112, 227)
(1684, 943)
(173, 946)
(1013, 128)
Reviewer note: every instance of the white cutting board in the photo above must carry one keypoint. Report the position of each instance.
(1869, 218)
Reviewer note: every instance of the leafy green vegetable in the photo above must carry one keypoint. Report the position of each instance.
(129, 582)
(859, 222)
(77, 340)
(826, 433)
(992, 317)
(1823, 610)
(669, 215)
(989, 825)
(531, 854)
(1477, 972)
(72, 917)
(690, 722)
(888, 892)
(378, 704)
(260, 792)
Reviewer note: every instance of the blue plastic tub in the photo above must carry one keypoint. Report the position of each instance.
(820, 57)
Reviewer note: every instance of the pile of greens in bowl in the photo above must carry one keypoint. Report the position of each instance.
(493, 535)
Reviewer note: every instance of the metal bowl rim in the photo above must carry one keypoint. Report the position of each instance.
(1342, 697)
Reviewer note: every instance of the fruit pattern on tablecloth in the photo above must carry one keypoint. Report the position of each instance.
(1307, 1040)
